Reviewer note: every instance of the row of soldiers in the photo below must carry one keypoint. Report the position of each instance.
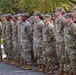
(42, 39)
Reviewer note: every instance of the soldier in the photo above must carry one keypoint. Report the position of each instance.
(26, 39)
(3, 19)
(19, 21)
(8, 34)
(37, 40)
(0, 42)
(60, 22)
(49, 51)
(31, 20)
(14, 39)
(73, 11)
(70, 45)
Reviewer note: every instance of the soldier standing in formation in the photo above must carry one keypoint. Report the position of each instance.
(49, 51)
(14, 39)
(60, 48)
(70, 45)
(37, 39)
(19, 38)
(0, 42)
(3, 19)
(26, 39)
(31, 20)
(8, 35)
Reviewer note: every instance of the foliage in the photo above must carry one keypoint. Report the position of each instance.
(16, 6)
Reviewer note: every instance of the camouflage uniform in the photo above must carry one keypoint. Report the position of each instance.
(3, 35)
(37, 40)
(26, 41)
(49, 51)
(31, 20)
(60, 41)
(3, 32)
(0, 43)
(70, 46)
(8, 35)
(15, 40)
(19, 44)
(70, 42)
(18, 53)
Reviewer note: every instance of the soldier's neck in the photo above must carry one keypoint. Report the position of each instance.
(37, 20)
(47, 22)
(70, 22)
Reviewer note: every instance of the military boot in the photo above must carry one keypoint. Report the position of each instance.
(39, 66)
(28, 67)
(13, 62)
(61, 73)
(66, 73)
(42, 68)
(24, 65)
(17, 64)
(10, 60)
(44, 72)
(50, 72)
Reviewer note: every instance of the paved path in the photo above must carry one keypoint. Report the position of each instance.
(6, 69)
(11, 70)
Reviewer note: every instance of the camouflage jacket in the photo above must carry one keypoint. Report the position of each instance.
(38, 29)
(60, 23)
(48, 34)
(8, 32)
(70, 35)
(14, 31)
(26, 32)
(3, 30)
(0, 31)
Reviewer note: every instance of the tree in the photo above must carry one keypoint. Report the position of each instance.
(45, 6)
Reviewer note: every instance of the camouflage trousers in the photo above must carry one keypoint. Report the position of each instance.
(19, 57)
(50, 56)
(26, 52)
(5, 46)
(37, 47)
(60, 49)
(9, 48)
(70, 63)
(15, 49)
(0, 51)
